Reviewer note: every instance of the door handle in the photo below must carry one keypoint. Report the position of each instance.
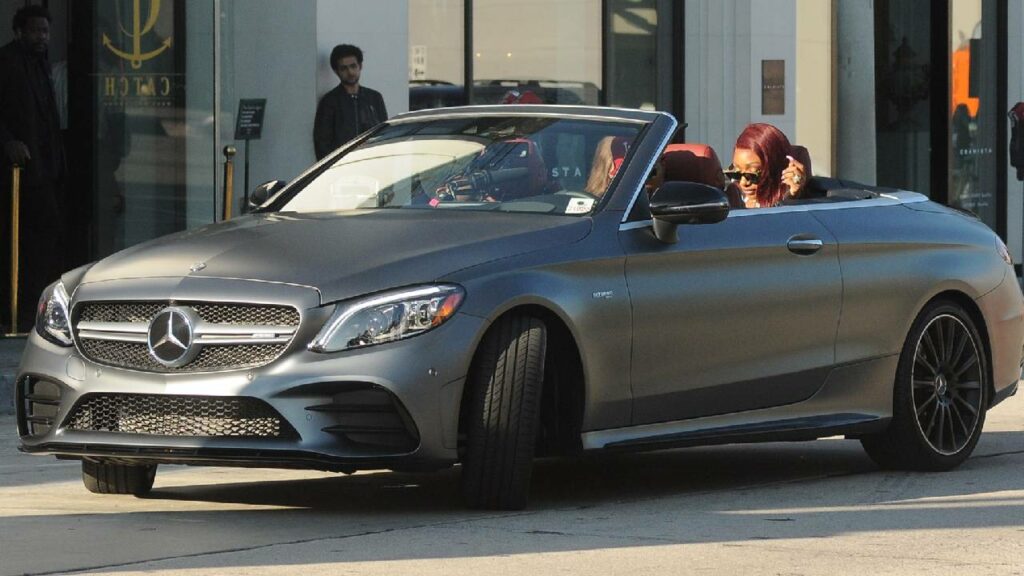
(804, 245)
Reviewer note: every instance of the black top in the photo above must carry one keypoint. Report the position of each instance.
(341, 116)
(28, 113)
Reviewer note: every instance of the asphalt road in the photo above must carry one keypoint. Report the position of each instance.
(802, 508)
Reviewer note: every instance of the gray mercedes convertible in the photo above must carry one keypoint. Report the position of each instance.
(485, 285)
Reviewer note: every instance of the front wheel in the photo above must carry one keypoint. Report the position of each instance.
(502, 413)
(109, 478)
(940, 395)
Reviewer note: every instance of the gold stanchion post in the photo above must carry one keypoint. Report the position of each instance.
(15, 235)
(229, 180)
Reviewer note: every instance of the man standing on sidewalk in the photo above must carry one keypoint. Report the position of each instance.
(349, 109)
(30, 137)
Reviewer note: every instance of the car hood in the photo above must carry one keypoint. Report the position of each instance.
(343, 254)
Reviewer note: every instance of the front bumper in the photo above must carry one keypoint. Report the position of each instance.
(1003, 310)
(330, 405)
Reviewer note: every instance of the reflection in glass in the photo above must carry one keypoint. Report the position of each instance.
(902, 93)
(436, 69)
(972, 129)
(534, 51)
(504, 164)
(632, 52)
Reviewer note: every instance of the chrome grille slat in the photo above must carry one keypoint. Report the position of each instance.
(233, 336)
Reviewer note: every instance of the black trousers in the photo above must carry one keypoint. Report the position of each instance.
(41, 247)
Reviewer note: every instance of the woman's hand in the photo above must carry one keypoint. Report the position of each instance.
(794, 176)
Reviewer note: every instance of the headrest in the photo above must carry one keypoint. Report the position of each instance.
(516, 96)
(692, 163)
(619, 147)
(801, 155)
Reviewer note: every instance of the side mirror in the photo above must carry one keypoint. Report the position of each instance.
(678, 203)
(264, 191)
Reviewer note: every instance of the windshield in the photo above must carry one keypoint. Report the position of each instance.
(510, 164)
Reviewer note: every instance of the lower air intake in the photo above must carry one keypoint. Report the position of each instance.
(170, 415)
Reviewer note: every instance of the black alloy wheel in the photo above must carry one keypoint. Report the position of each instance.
(940, 394)
(947, 381)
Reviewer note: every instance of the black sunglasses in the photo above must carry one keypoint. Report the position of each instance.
(733, 174)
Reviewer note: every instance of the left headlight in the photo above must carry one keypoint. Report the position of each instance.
(52, 318)
(387, 317)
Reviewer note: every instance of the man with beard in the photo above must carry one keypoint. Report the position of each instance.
(348, 110)
(30, 138)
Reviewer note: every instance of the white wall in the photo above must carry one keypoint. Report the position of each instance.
(726, 40)
(813, 82)
(718, 100)
(773, 37)
(855, 85)
(268, 52)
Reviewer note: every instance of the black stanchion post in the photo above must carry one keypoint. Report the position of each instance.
(229, 180)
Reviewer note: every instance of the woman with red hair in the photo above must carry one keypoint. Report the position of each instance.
(763, 167)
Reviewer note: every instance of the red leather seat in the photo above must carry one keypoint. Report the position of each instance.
(697, 163)
(692, 163)
(801, 155)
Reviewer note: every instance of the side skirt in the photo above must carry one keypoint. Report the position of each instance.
(794, 429)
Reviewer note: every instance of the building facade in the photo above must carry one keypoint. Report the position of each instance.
(904, 93)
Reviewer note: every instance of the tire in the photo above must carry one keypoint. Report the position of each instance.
(107, 478)
(940, 394)
(502, 414)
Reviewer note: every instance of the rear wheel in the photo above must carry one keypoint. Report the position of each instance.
(108, 478)
(940, 395)
(502, 413)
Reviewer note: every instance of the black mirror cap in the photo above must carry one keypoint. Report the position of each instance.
(263, 192)
(689, 203)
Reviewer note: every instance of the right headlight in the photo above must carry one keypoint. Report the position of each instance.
(388, 317)
(52, 318)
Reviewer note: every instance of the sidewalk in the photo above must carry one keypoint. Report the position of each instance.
(10, 356)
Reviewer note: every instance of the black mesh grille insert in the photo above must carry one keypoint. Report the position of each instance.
(212, 358)
(168, 415)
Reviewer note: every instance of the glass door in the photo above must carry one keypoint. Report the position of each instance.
(974, 113)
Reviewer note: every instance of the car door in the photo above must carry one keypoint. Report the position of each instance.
(737, 315)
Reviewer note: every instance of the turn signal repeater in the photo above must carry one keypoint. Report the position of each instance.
(387, 317)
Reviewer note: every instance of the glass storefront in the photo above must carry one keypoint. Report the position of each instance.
(973, 108)
(613, 53)
(139, 88)
(903, 93)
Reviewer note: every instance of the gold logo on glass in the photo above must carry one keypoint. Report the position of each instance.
(137, 56)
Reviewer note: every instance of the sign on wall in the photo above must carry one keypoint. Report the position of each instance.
(773, 87)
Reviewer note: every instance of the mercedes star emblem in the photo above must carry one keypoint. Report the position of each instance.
(171, 337)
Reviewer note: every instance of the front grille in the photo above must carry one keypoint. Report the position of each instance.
(114, 334)
(212, 359)
(171, 415)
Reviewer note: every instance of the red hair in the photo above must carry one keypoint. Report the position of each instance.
(771, 146)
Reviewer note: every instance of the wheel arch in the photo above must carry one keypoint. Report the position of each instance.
(974, 312)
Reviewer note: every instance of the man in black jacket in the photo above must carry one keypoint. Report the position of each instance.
(349, 109)
(30, 138)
